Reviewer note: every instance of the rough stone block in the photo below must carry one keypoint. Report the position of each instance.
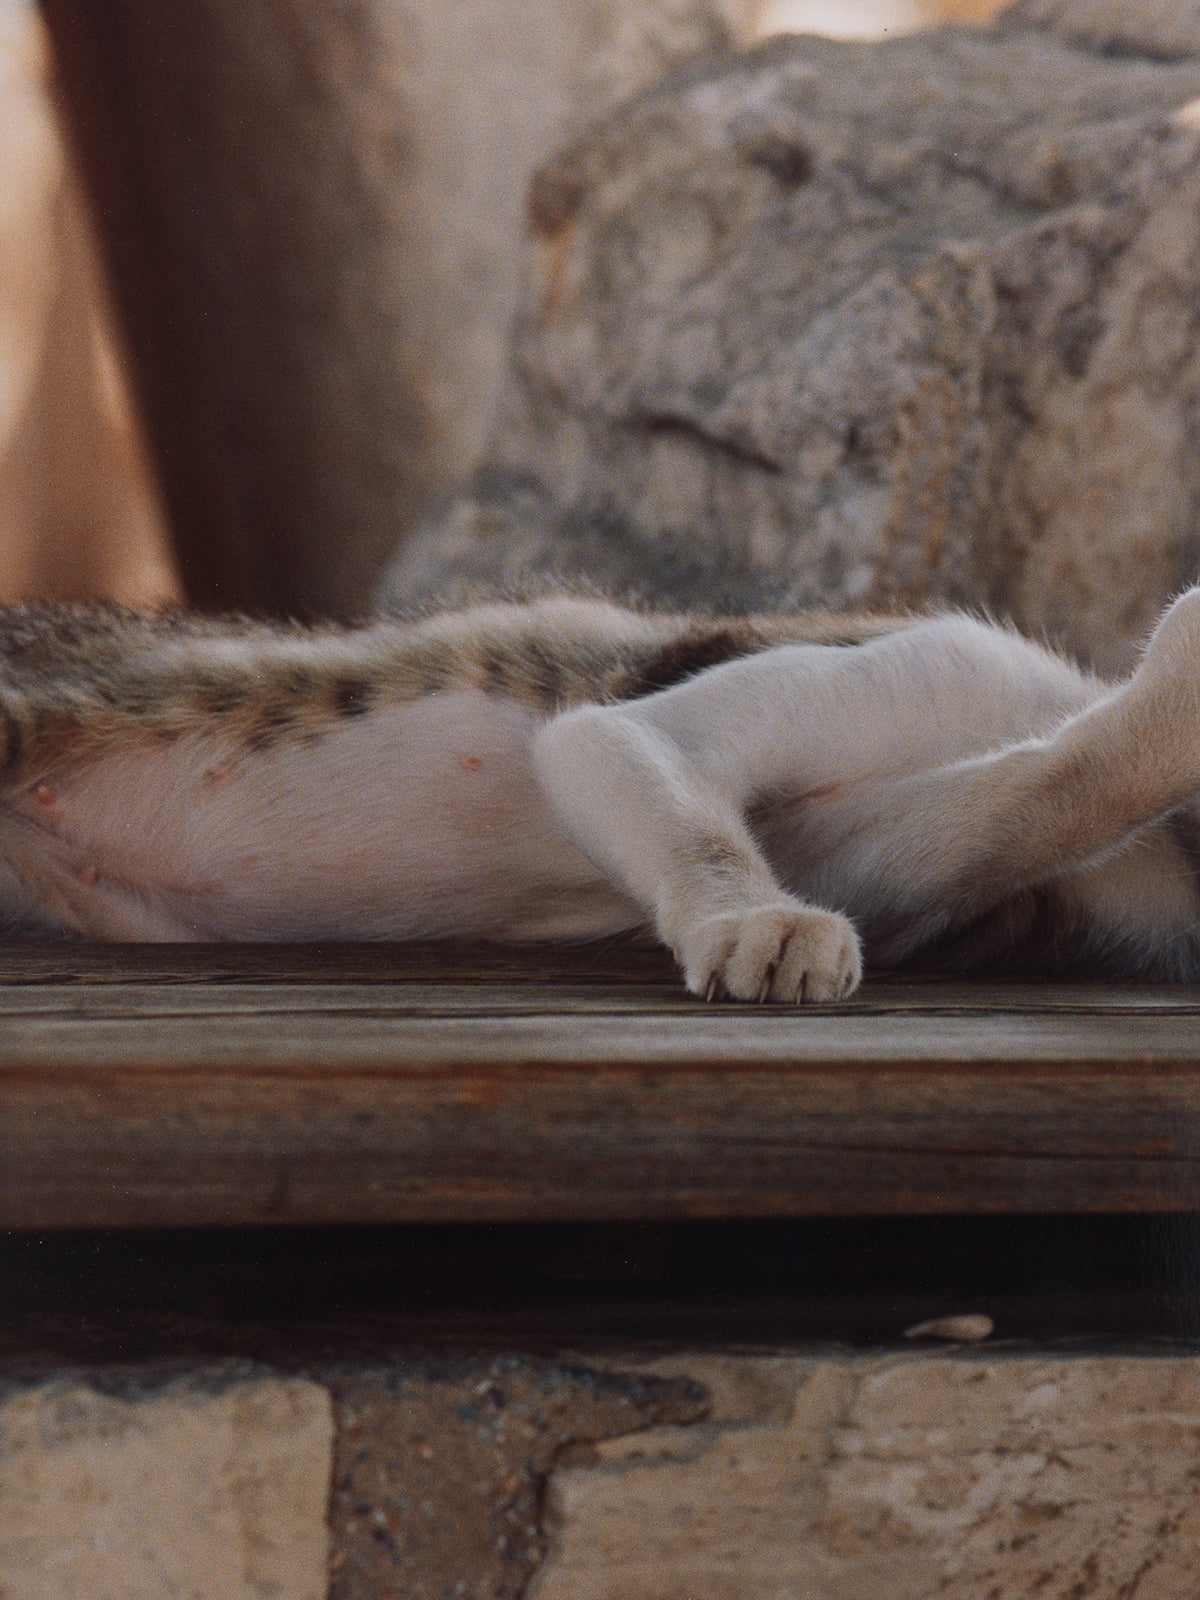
(440, 1467)
(210, 1488)
(965, 1477)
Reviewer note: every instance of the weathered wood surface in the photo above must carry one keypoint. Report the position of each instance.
(192, 1085)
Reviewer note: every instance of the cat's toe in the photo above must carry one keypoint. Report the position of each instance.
(785, 952)
(821, 960)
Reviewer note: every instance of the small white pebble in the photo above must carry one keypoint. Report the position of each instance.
(970, 1329)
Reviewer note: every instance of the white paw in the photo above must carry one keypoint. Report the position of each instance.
(781, 951)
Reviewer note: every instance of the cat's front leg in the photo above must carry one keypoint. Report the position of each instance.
(670, 838)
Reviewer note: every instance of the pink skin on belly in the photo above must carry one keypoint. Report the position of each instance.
(420, 820)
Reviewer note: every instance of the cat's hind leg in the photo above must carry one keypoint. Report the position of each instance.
(1082, 807)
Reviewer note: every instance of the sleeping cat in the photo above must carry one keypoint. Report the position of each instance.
(772, 796)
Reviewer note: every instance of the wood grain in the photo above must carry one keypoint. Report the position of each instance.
(227, 1085)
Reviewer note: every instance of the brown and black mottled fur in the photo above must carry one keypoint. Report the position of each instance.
(74, 678)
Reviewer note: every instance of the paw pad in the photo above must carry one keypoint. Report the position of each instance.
(784, 951)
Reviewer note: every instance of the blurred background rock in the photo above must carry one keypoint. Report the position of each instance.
(867, 323)
(498, 86)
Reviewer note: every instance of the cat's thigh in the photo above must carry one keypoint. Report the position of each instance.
(1137, 909)
(1133, 914)
(803, 718)
(1123, 763)
(921, 855)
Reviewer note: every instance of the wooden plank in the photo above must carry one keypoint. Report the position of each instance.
(305, 1086)
(610, 961)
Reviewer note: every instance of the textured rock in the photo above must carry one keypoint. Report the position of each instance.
(491, 89)
(823, 1476)
(420, 1478)
(965, 1478)
(209, 1489)
(440, 1468)
(888, 323)
(1165, 28)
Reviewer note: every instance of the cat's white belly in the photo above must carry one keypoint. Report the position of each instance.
(419, 820)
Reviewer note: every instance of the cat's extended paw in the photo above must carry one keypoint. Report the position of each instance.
(782, 951)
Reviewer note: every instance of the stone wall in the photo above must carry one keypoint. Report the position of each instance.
(804, 1475)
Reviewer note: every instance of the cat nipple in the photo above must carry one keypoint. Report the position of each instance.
(49, 799)
(217, 773)
(87, 875)
(472, 763)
